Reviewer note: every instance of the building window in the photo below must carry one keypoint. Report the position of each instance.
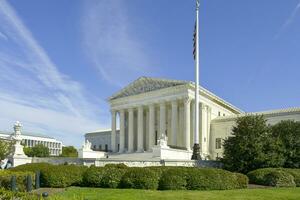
(106, 148)
(95, 147)
(100, 147)
(219, 113)
(224, 114)
(218, 143)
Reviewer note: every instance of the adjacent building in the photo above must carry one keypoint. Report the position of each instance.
(32, 139)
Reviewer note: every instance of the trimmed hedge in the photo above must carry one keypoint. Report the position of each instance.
(56, 176)
(5, 179)
(215, 179)
(121, 176)
(277, 177)
(140, 178)
(173, 179)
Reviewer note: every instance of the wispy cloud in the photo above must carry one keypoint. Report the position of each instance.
(289, 21)
(110, 42)
(33, 90)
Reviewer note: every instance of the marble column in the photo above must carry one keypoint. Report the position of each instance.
(130, 129)
(113, 131)
(122, 131)
(151, 126)
(162, 121)
(187, 123)
(174, 122)
(140, 132)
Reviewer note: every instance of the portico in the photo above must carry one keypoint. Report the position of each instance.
(149, 109)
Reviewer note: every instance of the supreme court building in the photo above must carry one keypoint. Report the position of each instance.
(150, 109)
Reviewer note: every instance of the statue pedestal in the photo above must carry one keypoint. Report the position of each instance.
(87, 152)
(18, 156)
(82, 153)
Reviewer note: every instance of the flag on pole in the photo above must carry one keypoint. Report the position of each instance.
(195, 41)
(195, 36)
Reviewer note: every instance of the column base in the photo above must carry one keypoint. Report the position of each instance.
(196, 152)
(140, 151)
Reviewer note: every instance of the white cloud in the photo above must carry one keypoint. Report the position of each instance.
(33, 90)
(110, 42)
(289, 21)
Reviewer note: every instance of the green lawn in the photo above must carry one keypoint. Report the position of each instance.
(130, 194)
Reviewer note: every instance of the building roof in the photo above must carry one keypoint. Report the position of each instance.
(269, 113)
(97, 132)
(27, 134)
(148, 84)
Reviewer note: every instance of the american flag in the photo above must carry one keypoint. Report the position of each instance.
(195, 41)
(195, 33)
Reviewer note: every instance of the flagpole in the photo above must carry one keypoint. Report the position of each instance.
(196, 148)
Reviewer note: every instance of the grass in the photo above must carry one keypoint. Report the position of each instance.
(76, 193)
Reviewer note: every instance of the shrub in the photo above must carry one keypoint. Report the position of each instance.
(278, 177)
(112, 176)
(5, 179)
(56, 175)
(140, 178)
(173, 179)
(9, 195)
(92, 176)
(214, 179)
(296, 174)
(63, 175)
(242, 181)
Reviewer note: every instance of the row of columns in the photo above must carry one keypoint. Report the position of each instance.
(151, 121)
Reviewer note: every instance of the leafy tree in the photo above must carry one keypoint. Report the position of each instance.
(288, 132)
(69, 151)
(37, 151)
(252, 146)
(5, 149)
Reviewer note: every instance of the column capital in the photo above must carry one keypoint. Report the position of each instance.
(187, 100)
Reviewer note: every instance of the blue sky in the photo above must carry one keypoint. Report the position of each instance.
(61, 59)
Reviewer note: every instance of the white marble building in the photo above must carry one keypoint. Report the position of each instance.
(32, 139)
(150, 108)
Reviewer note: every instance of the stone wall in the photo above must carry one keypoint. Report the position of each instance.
(129, 163)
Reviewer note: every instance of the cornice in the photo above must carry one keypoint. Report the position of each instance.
(270, 113)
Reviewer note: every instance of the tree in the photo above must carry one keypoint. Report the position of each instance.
(69, 151)
(252, 146)
(288, 132)
(5, 149)
(37, 151)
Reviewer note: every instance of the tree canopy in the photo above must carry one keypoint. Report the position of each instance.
(69, 151)
(256, 145)
(5, 149)
(37, 151)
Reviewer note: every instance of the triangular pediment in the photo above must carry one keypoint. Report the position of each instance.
(146, 84)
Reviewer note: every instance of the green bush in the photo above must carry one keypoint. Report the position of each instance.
(140, 178)
(112, 176)
(93, 176)
(173, 179)
(214, 179)
(296, 174)
(278, 177)
(56, 175)
(242, 181)
(5, 179)
(9, 195)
